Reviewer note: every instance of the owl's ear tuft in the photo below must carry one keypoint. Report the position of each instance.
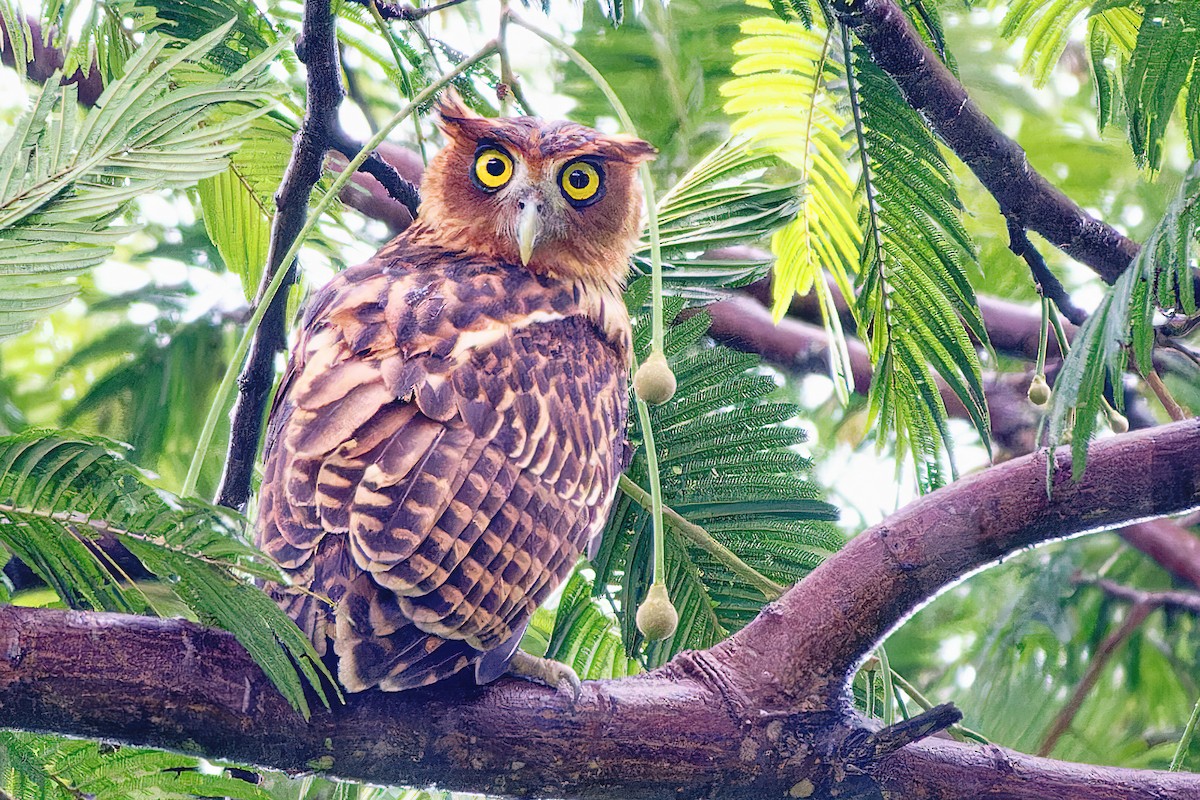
(630, 149)
(453, 114)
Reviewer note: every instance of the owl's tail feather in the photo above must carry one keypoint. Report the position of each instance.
(377, 645)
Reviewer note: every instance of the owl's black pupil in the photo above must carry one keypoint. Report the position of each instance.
(495, 167)
(578, 179)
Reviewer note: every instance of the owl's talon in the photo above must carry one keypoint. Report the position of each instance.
(546, 671)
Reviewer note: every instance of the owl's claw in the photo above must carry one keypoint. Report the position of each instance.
(546, 671)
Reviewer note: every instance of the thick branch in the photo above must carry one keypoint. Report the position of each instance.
(762, 714)
(814, 636)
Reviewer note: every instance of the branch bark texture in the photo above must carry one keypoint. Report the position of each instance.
(763, 714)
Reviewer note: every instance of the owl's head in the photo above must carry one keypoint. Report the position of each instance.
(560, 198)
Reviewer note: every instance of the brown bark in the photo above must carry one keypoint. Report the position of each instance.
(763, 714)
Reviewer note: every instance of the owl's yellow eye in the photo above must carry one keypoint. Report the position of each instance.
(493, 168)
(581, 182)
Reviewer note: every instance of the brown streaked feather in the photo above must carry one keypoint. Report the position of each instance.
(445, 445)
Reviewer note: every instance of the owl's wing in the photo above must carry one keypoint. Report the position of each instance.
(439, 458)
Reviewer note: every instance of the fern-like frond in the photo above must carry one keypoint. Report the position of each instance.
(59, 493)
(727, 461)
(35, 767)
(1046, 28)
(720, 202)
(585, 638)
(64, 180)
(916, 301)
(1164, 57)
(1159, 280)
(785, 107)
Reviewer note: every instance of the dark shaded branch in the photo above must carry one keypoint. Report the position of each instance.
(1170, 544)
(46, 60)
(1048, 284)
(407, 13)
(760, 715)
(317, 48)
(1178, 601)
(1062, 721)
(1000, 164)
(397, 186)
(368, 196)
(745, 324)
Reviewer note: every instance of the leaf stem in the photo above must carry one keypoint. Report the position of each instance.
(239, 354)
(656, 282)
(1185, 741)
(705, 541)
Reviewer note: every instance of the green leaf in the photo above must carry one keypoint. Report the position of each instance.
(1159, 280)
(1168, 47)
(63, 181)
(784, 105)
(58, 493)
(585, 638)
(726, 453)
(35, 766)
(916, 303)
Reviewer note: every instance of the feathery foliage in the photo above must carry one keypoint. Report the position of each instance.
(1143, 60)
(1159, 280)
(728, 463)
(784, 105)
(916, 302)
(585, 638)
(63, 181)
(59, 494)
(719, 202)
(34, 767)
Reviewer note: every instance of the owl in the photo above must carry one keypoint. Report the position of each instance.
(449, 433)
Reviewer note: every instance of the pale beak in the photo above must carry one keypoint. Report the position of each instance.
(529, 225)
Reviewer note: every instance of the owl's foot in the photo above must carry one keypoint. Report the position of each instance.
(546, 671)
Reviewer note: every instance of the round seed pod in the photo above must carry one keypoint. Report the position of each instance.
(1039, 390)
(1118, 422)
(656, 617)
(654, 381)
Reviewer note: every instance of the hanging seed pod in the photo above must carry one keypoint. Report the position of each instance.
(1117, 421)
(1039, 390)
(656, 617)
(654, 381)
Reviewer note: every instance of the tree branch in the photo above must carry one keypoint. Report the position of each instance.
(1000, 164)
(762, 714)
(1062, 721)
(1048, 284)
(317, 48)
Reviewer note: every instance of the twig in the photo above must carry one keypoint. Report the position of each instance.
(961, 730)
(705, 541)
(317, 48)
(1048, 284)
(1164, 396)
(400, 189)
(878, 744)
(1136, 616)
(1178, 600)
(407, 13)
